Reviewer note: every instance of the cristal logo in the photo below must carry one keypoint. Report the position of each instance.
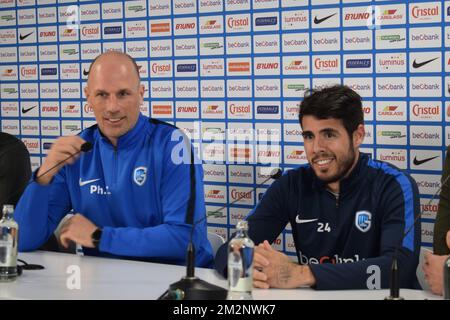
(89, 31)
(357, 16)
(31, 144)
(239, 109)
(161, 68)
(28, 72)
(425, 110)
(235, 194)
(237, 23)
(418, 12)
(429, 207)
(185, 26)
(326, 64)
(88, 108)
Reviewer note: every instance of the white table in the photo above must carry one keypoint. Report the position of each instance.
(103, 278)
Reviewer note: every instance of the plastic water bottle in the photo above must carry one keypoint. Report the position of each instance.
(447, 279)
(240, 264)
(8, 245)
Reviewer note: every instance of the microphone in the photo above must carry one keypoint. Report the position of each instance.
(394, 285)
(85, 147)
(192, 288)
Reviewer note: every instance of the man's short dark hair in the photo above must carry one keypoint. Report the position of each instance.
(336, 102)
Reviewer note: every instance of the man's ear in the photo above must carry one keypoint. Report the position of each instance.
(141, 92)
(86, 92)
(358, 135)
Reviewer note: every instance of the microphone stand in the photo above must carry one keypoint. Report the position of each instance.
(192, 288)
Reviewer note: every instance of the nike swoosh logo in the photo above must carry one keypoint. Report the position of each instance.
(86, 73)
(299, 221)
(83, 183)
(419, 162)
(417, 65)
(25, 36)
(28, 109)
(319, 21)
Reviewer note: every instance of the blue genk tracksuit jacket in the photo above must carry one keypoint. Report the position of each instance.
(347, 241)
(134, 192)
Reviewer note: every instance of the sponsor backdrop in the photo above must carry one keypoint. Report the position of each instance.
(231, 73)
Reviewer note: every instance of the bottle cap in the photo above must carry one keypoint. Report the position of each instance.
(243, 225)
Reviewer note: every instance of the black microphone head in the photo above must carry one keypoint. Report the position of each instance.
(87, 146)
(278, 173)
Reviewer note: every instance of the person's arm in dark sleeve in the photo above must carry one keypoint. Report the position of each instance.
(266, 221)
(15, 171)
(442, 223)
(400, 204)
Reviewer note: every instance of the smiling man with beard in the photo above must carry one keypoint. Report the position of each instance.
(348, 212)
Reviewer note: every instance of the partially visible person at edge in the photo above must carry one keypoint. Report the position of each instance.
(15, 169)
(348, 212)
(442, 223)
(433, 268)
(131, 197)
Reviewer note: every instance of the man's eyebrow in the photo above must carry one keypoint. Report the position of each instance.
(328, 130)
